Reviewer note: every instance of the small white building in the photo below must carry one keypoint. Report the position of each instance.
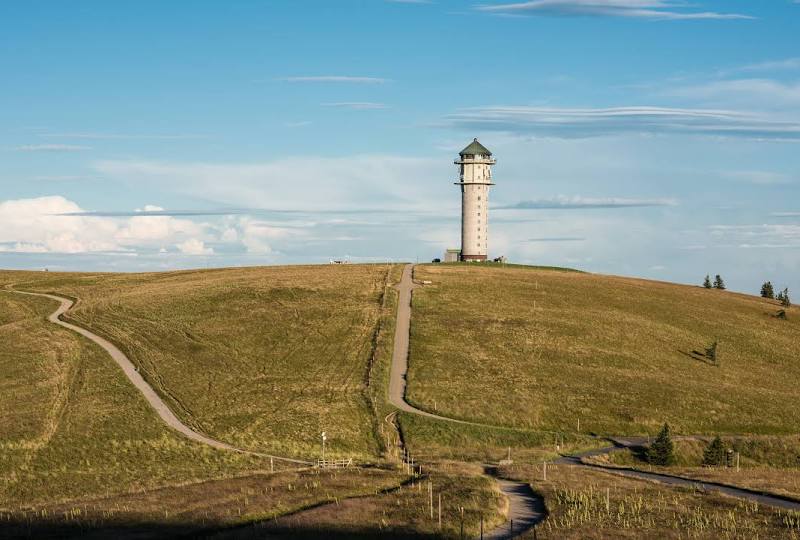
(475, 176)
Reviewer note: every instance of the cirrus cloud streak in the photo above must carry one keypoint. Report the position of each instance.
(596, 122)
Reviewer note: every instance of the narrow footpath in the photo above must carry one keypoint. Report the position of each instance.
(153, 399)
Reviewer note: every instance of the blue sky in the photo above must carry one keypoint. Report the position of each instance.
(654, 138)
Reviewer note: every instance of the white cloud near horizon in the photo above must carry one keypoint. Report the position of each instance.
(642, 9)
(595, 122)
(38, 226)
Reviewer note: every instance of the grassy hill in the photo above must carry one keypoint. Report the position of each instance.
(267, 358)
(72, 426)
(262, 358)
(546, 349)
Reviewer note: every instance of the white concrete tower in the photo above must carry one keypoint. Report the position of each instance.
(475, 176)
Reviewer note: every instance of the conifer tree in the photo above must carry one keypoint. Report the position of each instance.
(718, 283)
(714, 454)
(784, 298)
(707, 282)
(711, 352)
(662, 451)
(767, 291)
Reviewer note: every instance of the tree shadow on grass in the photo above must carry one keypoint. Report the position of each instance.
(699, 356)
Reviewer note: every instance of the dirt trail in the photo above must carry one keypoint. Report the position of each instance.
(161, 408)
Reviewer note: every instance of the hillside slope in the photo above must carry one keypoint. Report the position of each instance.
(261, 358)
(72, 426)
(616, 354)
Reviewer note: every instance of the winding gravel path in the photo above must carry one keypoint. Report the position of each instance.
(161, 408)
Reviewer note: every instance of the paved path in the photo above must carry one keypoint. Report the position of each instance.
(673, 480)
(397, 379)
(147, 391)
(525, 509)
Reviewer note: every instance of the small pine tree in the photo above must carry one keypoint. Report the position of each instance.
(714, 454)
(785, 301)
(711, 352)
(718, 283)
(767, 291)
(662, 451)
(707, 282)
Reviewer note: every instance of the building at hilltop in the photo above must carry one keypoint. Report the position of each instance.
(475, 176)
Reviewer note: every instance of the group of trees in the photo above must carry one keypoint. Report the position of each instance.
(718, 283)
(767, 291)
(662, 451)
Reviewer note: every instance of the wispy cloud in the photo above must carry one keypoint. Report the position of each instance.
(357, 105)
(335, 79)
(785, 214)
(757, 236)
(760, 178)
(122, 136)
(642, 9)
(582, 123)
(785, 64)
(52, 148)
(578, 203)
(557, 239)
(62, 178)
(763, 93)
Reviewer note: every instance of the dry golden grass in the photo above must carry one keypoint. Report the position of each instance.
(199, 508)
(401, 513)
(72, 426)
(262, 358)
(614, 353)
(586, 504)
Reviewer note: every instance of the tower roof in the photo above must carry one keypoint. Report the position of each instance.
(475, 148)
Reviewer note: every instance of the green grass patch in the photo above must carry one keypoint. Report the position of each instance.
(546, 350)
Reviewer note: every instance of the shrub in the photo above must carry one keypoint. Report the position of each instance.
(707, 282)
(662, 451)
